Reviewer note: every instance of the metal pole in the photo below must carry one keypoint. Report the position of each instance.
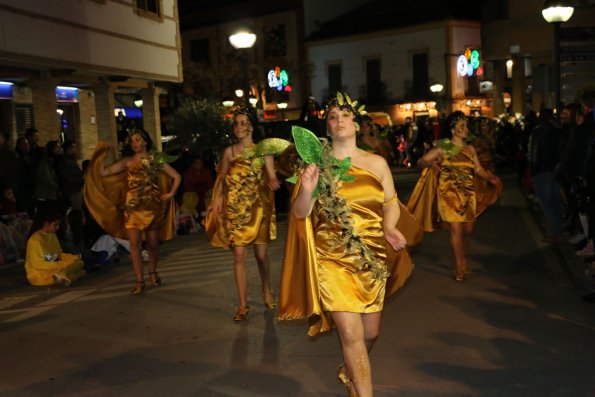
(557, 67)
(246, 82)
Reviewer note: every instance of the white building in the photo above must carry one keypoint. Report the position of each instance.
(111, 52)
(389, 62)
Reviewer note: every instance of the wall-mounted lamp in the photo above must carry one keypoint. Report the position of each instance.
(509, 65)
(436, 87)
(138, 101)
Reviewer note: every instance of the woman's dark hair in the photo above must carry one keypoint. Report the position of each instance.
(245, 111)
(127, 149)
(146, 137)
(50, 148)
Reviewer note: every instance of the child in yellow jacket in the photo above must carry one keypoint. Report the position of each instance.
(45, 262)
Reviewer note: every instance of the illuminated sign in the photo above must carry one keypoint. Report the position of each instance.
(67, 94)
(6, 90)
(469, 63)
(279, 79)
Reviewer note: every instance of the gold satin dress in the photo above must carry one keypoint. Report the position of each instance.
(129, 200)
(320, 271)
(450, 195)
(248, 213)
(143, 209)
(456, 190)
(342, 286)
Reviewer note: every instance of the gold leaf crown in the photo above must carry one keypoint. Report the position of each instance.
(343, 101)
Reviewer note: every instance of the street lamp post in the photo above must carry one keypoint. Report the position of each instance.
(282, 106)
(556, 12)
(242, 39)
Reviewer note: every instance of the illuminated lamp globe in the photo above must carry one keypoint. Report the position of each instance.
(253, 100)
(436, 87)
(557, 11)
(242, 37)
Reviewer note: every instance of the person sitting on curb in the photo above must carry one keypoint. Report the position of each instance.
(45, 262)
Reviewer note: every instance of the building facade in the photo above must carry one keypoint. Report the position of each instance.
(392, 63)
(273, 70)
(71, 65)
(520, 46)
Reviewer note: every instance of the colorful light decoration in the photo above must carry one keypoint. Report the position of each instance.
(279, 78)
(469, 63)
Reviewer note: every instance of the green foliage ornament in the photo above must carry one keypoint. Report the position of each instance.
(314, 151)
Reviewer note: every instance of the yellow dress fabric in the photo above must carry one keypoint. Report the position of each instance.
(320, 276)
(451, 195)
(129, 200)
(39, 270)
(485, 192)
(248, 213)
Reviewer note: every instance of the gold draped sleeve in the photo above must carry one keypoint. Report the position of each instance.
(248, 213)
(320, 276)
(422, 203)
(486, 194)
(108, 198)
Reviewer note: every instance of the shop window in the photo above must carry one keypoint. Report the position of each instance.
(149, 8)
(421, 80)
(200, 51)
(334, 79)
(275, 42)
(373, 81)
(23, 114)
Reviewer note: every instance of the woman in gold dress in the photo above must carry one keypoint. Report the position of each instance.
(134, 194)
(448, 190)
(342, 242)
(242, 210)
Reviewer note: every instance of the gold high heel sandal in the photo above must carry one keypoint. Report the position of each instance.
(269, 300)
(345, 380)
(138, 288)
(155, 279)
(242, 313)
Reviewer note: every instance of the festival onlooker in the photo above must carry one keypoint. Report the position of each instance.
(46, 263)
(198, 179)
(543, 157)
(47, 187)
(26, 184)
(70, 176)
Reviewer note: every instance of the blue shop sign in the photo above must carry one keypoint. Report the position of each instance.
(6, 90)
(67, 94)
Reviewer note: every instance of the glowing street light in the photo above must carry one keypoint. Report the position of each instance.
(557, 12)
(242, 39)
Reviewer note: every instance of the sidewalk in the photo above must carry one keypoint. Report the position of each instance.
(580, 272)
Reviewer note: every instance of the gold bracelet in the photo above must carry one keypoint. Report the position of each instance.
(393, 200)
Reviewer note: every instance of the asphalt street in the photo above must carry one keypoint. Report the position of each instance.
(515, 327)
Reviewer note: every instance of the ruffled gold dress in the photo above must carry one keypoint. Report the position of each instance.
(450, 196)
(129, 200)
(248, 213)
(323, 267)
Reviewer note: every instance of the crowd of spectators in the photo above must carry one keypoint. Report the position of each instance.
(38, 182)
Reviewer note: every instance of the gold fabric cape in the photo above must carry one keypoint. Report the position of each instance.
(105, 197)
(300, 296)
